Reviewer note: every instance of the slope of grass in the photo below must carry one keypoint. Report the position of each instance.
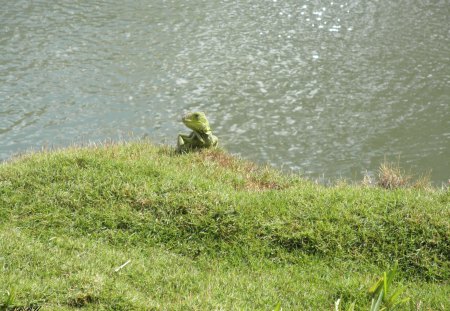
(207, 231)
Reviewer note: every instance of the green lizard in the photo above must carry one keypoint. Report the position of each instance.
(201, 135)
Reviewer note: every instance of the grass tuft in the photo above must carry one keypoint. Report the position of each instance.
(391, 176)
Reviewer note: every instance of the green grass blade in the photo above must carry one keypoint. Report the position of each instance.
(278, 307)
(375, 288)
(352, 306)
(376, 305)
(336, 304)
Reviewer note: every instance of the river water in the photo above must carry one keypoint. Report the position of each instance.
(325, 88)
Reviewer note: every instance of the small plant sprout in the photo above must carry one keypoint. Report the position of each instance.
(382, 293)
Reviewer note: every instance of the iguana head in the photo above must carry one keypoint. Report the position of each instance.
(196, 121)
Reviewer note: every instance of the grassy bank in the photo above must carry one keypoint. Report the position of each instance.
(138, 227)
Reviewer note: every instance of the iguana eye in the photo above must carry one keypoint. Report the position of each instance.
(196, 115)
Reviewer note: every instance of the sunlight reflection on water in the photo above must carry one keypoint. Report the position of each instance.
(326, 88)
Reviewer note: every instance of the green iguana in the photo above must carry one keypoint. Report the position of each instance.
(201, 135)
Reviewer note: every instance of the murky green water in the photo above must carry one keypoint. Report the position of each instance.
(326, 88)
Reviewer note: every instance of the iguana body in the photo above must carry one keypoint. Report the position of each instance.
(201, 135)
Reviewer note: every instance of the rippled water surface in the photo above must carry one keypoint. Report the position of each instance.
(326, 88)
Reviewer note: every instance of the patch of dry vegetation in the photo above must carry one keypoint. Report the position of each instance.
(392, 176)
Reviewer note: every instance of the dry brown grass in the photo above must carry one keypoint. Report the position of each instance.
(261, 181)
(224, 160)
(423, 182)
(368, 181)
(256, 178)
(391, 176)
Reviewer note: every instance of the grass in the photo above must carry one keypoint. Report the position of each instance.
(138, 227)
